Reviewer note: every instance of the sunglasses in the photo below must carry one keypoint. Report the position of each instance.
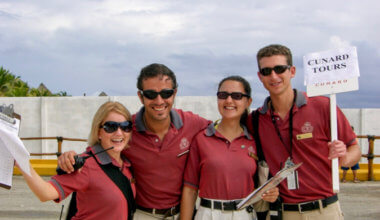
(112, 126)
(151, 94)
(234, 95)
(277, 69)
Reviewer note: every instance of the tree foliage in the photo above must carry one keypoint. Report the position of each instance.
(13, 86)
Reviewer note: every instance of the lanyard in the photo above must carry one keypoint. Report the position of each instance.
(290, 126)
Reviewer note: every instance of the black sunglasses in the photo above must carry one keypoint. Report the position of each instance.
(277, 69)
(112, 126)
(234, 95)
(151, 94)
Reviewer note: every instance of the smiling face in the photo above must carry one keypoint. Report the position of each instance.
(230, 108)
(118, 139)
(276, 84)
(157, 109)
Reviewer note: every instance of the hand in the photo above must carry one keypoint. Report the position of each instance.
(66, 161)
(337, 149)
(271, 195)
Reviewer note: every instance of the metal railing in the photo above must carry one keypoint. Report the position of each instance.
(370, 155)
(59, 141)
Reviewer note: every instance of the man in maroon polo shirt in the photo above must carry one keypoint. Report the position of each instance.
(294, 128)
(159, 146)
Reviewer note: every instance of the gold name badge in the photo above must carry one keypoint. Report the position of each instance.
(304, 136)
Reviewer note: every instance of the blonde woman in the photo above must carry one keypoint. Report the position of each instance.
(98, 196)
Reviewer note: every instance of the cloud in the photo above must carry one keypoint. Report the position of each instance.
(101, 45)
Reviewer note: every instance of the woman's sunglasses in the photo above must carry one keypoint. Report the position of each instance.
(112, 126)
(234, 95)
(277, 69)
(151, 94)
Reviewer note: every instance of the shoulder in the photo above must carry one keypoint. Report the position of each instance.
(189, 119)
(316, 101)
(188, 115)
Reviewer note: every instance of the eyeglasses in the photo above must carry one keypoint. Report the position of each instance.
(234, 95)
(112, 126)
(277, 69)
(151, 94)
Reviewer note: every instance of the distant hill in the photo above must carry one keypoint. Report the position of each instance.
(13, 86)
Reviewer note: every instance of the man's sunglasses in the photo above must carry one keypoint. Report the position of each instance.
(234, 95)
(277, 69)
(112, 126)
(151, 94)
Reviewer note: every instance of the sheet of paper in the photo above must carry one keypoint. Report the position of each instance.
(6, 167)
(255, 196)
(12, 148)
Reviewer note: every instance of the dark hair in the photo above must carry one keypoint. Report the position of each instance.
(275, 49)
(153, 70)
(247, 90)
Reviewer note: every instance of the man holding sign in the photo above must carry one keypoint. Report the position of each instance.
(294, 128)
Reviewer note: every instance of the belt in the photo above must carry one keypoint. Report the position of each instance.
(224, 206)
(167, 212)
(308, 206)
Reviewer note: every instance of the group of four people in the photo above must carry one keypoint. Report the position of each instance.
(176, 154)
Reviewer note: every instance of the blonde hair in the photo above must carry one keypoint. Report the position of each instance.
(101, 114)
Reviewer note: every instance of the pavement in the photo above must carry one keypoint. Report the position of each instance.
(358, 201)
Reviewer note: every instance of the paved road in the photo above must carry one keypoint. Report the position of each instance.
(358, 201)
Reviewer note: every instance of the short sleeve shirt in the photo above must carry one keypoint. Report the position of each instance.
(311, 134)
(98, 197)
(159, 164)
(221, 169)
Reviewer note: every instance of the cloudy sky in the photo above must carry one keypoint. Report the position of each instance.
(89, 46)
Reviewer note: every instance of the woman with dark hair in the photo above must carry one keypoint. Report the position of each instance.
(221, 163)
(98, 196)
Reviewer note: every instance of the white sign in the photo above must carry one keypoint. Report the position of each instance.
(331, 71)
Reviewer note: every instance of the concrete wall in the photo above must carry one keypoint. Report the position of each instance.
(71, 117)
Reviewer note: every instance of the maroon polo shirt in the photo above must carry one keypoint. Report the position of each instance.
(159, 164)
(221, 169)
(311, 133)
(98, 197)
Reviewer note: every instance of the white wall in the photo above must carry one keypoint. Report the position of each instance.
(71, 117)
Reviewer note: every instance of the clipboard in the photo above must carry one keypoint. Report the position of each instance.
(255, 196)
(9, 124)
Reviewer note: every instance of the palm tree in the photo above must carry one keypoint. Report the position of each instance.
(6, 81)
(19, 89)
(11, 85)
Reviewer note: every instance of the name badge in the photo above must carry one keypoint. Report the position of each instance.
(292, 179)
(304, 136)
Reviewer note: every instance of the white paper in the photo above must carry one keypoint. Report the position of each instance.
(255, 196)
(6, 167)
(331, 66)
(12, 148)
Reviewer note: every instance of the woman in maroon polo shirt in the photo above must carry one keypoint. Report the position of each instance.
(97, 194)
(221, 163)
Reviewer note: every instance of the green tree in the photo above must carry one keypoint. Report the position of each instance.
(13, 86)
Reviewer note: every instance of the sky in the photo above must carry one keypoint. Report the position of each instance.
(89, 46)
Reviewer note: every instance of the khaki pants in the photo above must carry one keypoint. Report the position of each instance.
(141, 215)
(331, 212)
(204, 213)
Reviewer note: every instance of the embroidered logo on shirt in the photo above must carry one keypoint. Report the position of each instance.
(307, 128)
(251, 150)
(184, 143)
(307, 131)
